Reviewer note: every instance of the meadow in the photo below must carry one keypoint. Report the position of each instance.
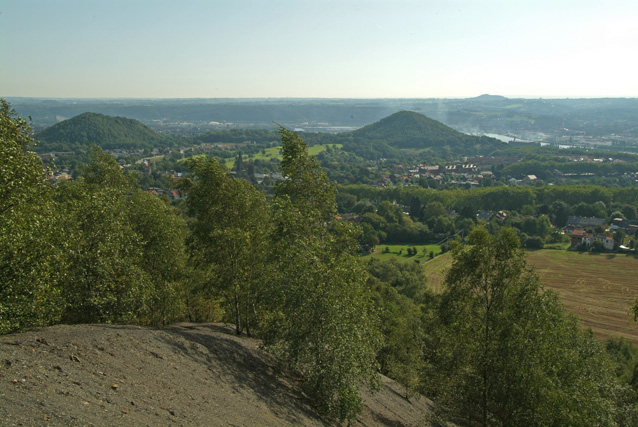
(400, 252)
(275, 153)
(267, 154)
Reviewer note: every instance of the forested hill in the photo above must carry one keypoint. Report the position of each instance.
(410, 130)
(106, 131)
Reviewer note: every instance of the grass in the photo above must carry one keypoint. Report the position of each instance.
(191, 157)
(272, 153)
(598, 288)
(558, 246)
(400, 252)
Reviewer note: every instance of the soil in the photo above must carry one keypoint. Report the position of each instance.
(182, 375)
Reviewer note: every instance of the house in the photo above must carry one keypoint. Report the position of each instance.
(484, 215)
(625, 225)
(582, 238)
(429, 170)
(607, 241)
(584, 222)
(501, 215)
(619, 223)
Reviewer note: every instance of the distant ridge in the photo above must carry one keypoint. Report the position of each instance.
(487, 97)
(107, 132)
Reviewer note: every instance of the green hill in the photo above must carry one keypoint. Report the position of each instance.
(107, 132)
(410, 130)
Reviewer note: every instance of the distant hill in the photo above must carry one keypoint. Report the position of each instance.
(107, 132)
(410, 130)
(407, 129)
(486, 97)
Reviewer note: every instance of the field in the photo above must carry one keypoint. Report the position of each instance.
(275, 153)
(400, 252)
(269, 153)
(598, 288)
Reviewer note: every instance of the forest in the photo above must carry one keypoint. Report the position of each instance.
(494, 348)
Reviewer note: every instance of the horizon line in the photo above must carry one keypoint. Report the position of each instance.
(97, 98)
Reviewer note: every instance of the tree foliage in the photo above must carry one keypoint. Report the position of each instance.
(230, 224)
(503, 352)
(321, 319)
(104, 281)
(29, 236)
(161, 234)
(123, 249)
(401, 355)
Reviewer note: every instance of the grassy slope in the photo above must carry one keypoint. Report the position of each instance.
(404, 257)
(274, 152)
(598, 288)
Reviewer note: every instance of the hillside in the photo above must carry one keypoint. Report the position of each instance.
(185, 375)
(410, 130)
(107, 132)
(407, 129)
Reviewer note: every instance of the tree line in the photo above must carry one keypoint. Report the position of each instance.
(493, 349)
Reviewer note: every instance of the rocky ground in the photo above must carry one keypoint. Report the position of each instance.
(183, 375)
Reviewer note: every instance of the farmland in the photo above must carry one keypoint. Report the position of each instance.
(275, 153)
(598, 288)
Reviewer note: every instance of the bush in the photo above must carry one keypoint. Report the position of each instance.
(534, 242)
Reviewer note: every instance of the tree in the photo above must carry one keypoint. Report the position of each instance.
(560, 211)
(416, 208)
(401, 355)
(628, 212)
(30, 265)
(616, 214)
(407, 278)
(321, 319)
(391, 212)
(619, 237)
(369, 236)
(161, 234)
(346, 202)
(503, 352)
(229, 228)
(104, 279)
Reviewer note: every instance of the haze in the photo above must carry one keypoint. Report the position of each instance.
(323, 49)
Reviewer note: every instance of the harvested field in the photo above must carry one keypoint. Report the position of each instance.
(598, 288)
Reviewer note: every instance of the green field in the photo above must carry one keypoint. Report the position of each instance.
(598, 288)
(400, 252)
(275, 153)
(270, 153)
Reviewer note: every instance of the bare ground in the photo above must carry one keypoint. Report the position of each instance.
(183, 375)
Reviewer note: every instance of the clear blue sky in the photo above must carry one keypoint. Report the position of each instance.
(299, 48)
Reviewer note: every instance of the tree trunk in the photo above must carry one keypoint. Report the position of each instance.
(237, 316)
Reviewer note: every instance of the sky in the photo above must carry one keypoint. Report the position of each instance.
(318, 49)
